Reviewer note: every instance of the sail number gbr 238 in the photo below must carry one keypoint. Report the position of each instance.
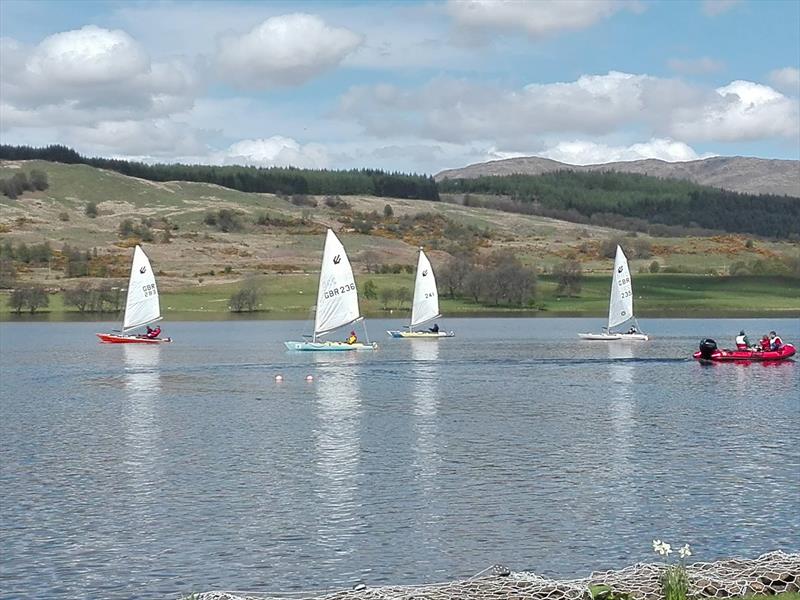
(340, 289)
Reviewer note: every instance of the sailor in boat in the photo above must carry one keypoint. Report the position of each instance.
(352, 338)
(434, 329)
(633, 330)
(765, 343)
(152, 333)
(742, 341)
(775, 342)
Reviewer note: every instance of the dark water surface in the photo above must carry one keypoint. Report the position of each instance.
(150, 472)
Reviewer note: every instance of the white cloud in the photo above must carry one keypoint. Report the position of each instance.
(276, 151)
(88, 56)
(741, 110)
(712, 8)
(285, 50)
(457, 111)
(786, 79)
(695, 66)
(537, 19)
(580, 152)
(86, 76)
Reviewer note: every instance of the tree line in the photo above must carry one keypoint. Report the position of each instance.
(271, 180)
(499, 279)
(637, 202)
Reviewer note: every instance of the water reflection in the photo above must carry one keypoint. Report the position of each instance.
(142, 382)
(621, 405)
(336, 441)
(425, 375)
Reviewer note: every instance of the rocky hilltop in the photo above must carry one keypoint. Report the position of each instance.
(737, 173)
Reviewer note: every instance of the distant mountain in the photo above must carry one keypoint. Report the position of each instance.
(736, 173)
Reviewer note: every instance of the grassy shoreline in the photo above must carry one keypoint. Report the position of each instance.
(657, 295)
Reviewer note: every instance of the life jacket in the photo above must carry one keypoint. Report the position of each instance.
(776, 344)
(352, 339)
(741, 344)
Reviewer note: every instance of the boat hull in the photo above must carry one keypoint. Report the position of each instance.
(612, 337)
(329, 346)
(721, 355)
(421, 335)
(113, 338)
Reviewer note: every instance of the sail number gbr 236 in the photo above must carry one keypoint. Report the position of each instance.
(340, 289)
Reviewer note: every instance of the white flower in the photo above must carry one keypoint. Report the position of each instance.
(685, 551)
(657, 546)
(666, 549)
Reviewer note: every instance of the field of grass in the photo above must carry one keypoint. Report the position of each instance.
(671, 295)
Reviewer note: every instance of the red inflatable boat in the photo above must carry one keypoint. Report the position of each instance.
(709, 351)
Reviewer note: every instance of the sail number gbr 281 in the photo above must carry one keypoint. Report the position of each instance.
(338, 290)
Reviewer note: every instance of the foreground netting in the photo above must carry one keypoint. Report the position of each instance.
(769, 574)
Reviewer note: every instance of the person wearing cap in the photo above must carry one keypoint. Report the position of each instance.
(742, 341)
(352, 338)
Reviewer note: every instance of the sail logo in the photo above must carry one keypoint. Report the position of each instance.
(425, 273)
(337, 259)
(143, 270)
(620, 269)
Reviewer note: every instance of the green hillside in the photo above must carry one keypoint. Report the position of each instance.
(204, 240)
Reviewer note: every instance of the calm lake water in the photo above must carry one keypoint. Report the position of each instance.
(151, 472)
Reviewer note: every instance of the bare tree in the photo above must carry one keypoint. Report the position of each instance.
(248, 297)
(79, 296)
(454, 274)
(570, 278)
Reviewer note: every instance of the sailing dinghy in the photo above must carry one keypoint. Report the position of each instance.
(620, 306)
(425, 307)
(141, 306)
(337, 302)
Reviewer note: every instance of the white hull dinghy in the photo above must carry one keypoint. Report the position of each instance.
(425, 307)
(337, 303)
(620, 306)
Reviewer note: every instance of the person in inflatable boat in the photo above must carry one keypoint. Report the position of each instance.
(764, 343)
(153, 333)
(742, 341)
(352, 338)
(775, 342)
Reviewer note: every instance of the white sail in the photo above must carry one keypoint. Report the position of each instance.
(337, 299)
(426, 296)
(142, 306)
(620, 307)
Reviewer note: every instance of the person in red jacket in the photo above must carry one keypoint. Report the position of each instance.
(153, 333)
(764, 343)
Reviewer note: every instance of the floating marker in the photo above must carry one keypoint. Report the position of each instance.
(309, 378)
(279, 378)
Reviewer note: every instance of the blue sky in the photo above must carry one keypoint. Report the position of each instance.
(411, 86)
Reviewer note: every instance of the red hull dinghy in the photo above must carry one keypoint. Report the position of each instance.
(111, 338)
(142, 306)
(709, 351)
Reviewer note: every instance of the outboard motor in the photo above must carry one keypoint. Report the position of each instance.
(707, 348)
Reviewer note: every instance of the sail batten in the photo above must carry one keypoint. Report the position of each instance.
(620, 305)
(425, 306)
(141, 305)
(337, 298)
